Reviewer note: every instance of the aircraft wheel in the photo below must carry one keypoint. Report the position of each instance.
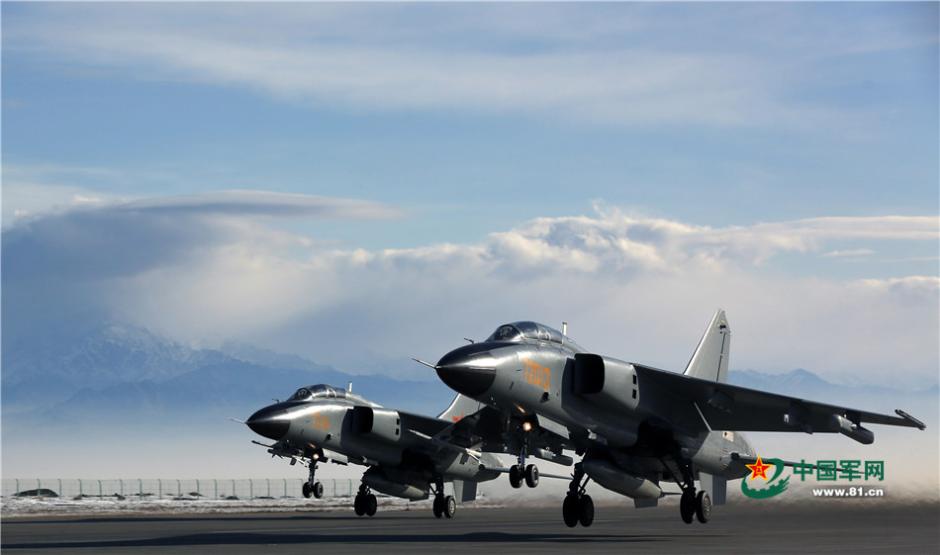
(586, 510)
(531, 475)
(318, 490)
(306, 490)
(371, 504)
(515, 476)
(703, 507)
(358, 506)
(687, 506)
(438, 506)
(450, 506)
(569, 510)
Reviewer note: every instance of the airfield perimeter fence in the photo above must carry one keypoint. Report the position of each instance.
(263, 488)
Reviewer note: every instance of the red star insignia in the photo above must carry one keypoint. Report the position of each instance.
(758, 469)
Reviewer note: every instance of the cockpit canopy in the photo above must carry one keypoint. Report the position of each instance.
(519, 331)
(319, 391)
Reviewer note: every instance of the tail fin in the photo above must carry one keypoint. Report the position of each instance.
(461, 406)
(710, 359)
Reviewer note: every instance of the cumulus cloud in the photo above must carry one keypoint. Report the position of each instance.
(634, 287)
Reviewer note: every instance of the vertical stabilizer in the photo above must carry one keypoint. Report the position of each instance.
(710, 359)
(461, 406)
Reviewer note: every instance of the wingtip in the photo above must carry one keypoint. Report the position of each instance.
(916, 423)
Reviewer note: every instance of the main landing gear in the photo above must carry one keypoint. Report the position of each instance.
(444, 505)
(365, 503)
(578, 506)
(692, 505)
(520, 471)
(312, 486)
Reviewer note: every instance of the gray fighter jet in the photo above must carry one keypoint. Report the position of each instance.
(635, 426)
(408, 455)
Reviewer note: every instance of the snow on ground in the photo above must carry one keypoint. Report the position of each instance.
(52, 506)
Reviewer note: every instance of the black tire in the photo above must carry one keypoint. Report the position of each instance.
(438, 506)
(569, 510)
(586, 511)
(515, 476)
(450, 506)
(703, 507)
(371, 504)
(318, 490)
(531, 475)
(306, 490)
(687, 506)
(358, 506)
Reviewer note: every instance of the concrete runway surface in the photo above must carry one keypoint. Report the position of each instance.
(833, 526)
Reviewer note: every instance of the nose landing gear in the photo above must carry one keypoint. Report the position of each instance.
(578, 506)
(312, 486)
(365, 502)
(520, 471)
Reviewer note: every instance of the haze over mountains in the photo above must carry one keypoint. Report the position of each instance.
(121, 373)
(116, 400)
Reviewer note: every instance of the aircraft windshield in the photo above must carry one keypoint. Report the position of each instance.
(506, 332)
(516, 331)
(318, 391)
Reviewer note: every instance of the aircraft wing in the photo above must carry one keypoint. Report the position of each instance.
(710, 405)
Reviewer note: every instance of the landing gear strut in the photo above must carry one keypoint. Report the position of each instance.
(365, 503)
(692, 505)
(312, 486)
(520, 471)
(444, 505)
(578, 506)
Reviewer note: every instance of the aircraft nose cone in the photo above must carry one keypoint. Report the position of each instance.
(266, 422)
(467, 370)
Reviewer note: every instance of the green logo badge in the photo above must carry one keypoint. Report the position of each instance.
(774, 486)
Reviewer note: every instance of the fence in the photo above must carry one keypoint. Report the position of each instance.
(264, 488)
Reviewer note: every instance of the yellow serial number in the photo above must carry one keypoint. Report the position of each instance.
(536, 374)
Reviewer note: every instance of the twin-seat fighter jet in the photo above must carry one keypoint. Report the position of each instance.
(634, 426)
(406, 453)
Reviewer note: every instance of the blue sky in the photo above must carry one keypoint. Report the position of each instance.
(460, 122)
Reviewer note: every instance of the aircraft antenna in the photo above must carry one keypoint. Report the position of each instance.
(564, 328)
(349, 387)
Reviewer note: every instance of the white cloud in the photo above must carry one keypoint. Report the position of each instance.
(633, 287)
(26, 199)
(575, 64)
(849, 253)
(263, 203)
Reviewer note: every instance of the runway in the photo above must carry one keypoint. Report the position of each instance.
(834, 526)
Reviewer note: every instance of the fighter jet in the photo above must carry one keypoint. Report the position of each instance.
(635, 426)
(408, 455)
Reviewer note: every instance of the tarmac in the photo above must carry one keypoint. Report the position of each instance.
(830, 526)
